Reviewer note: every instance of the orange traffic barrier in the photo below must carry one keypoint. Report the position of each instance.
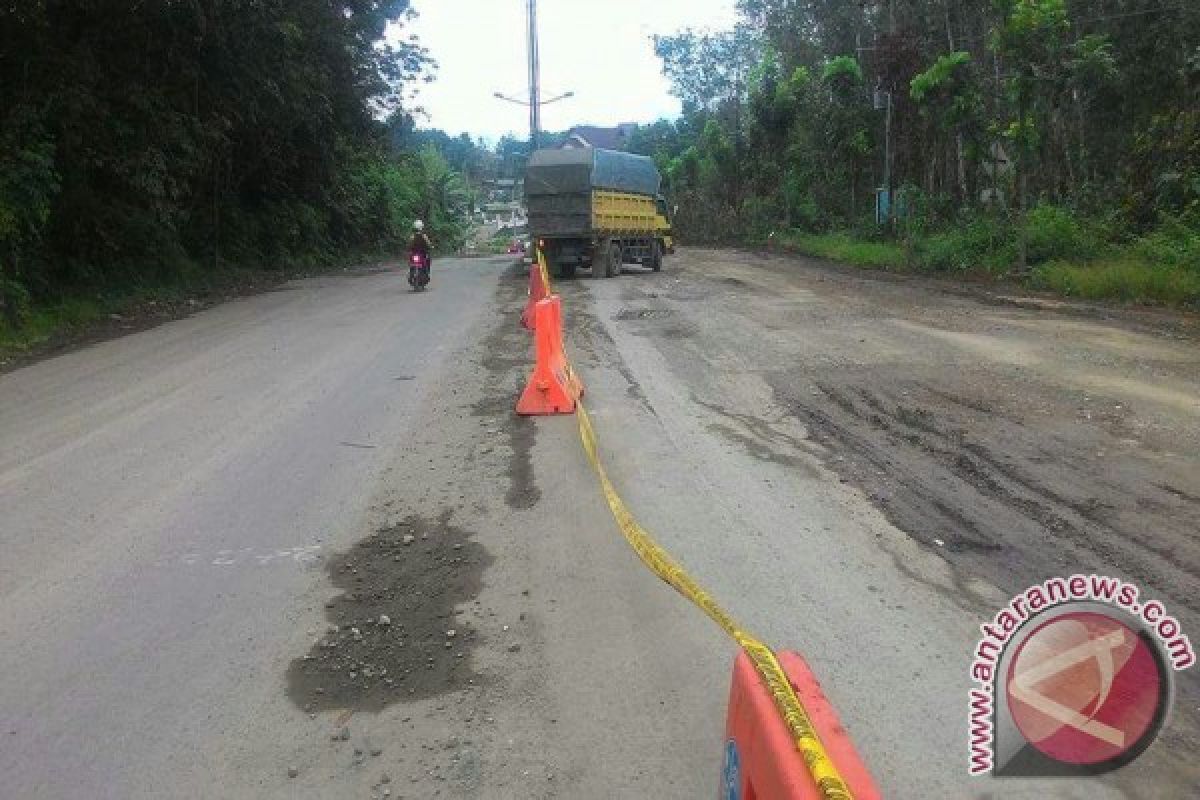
(539, 290)
(761, 758)
(553, 388)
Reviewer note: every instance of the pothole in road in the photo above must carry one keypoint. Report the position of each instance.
(392, 634)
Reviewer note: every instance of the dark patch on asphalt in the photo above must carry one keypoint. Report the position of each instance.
(633, 388)
(921, 458)
(762, 440)
(627, 314)
(677, 332)
(523, 493)
(757, 449)
(387, 639)
(508, 359)
(962, 595)
(591, 335)
(1180, 493)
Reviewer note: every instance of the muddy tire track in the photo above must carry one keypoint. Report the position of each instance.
(919, 461)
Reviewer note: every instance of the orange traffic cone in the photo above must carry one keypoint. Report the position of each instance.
(539, 289)
(553, 388)
(761, 758)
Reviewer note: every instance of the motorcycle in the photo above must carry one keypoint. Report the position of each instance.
(418, 271)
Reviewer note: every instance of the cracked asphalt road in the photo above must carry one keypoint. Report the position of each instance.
(861, 467)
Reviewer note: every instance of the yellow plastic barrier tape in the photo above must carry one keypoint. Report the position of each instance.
(826, 776)
(541, 260)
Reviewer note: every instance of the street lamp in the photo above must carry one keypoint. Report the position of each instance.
(535, 118)
(521, 102)
(535, 101)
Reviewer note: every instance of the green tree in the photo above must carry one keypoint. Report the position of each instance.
(141, 139)
(1032, 39)
(28, 185)
(950, 96)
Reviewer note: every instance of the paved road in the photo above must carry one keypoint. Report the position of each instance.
(189, 510)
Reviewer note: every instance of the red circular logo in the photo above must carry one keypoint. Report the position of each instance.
(1085, 688)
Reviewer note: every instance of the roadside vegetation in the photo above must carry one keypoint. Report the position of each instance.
(1067, 257)
(1056, 142)
(152, 152)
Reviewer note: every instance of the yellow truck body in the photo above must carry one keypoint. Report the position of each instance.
(620, 212)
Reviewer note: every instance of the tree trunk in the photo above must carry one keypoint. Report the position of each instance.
(10, 272)
(1081, 125)
(964, 194)
(1072, 187)
(853, 194)
(1022, 184)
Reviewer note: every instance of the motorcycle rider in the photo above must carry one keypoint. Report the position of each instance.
(422, 244)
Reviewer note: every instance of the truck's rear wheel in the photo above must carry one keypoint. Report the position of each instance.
(600, 259)
(615, 258)
(656, 256)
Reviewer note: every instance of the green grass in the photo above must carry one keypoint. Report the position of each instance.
(1128, 280)
(74, 314)
(43, 323)
(846, 248)
(1069, 257)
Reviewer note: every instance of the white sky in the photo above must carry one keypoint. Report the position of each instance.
(600, 49)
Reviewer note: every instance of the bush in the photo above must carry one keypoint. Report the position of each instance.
(1056, 233)
(1175, 243)
(844, 247)
(800, 206)
(1127, 280)
(982, 243)
(760, 216)
(14, 301)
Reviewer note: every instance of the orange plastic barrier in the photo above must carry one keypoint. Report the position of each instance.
(539, 290)
(553, 388)
(761, 759)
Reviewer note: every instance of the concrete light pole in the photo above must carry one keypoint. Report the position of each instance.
(535, 101)
(535, 88)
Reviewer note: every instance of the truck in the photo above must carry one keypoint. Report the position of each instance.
(597, 209)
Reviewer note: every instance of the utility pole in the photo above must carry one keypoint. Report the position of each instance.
(887, 126)
(535, 89)
(887, 152)
(535, 101)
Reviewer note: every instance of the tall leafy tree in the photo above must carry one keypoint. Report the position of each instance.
(141, 138)
(1085, 104)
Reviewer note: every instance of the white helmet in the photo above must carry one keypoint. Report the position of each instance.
(418, 226)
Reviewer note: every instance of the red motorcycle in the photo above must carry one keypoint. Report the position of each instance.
(418, 270)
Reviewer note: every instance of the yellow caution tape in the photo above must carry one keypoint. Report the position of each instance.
(541, 260)
(826, 776)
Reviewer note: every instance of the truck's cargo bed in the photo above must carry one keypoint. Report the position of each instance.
(573, 192)
(579, 170)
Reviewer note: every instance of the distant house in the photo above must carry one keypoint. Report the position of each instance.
(604, 138)
(504, 190)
